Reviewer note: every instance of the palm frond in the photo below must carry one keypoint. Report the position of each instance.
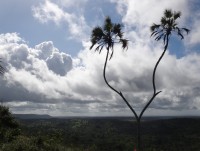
(154, 27)
(163, 21)
(97, 48)
(111, 55)
(164, 39)
(97, 32)
(157, 32)
(101, 49)
(124, 43)
(168, 26)
(117, 30)
(181, 35)
(186, 30)
(176, 15)
(168, 13)
(108, 25)
(159, 37)
(92, 45)
(96, 36)
(107, 36)
(112, 51)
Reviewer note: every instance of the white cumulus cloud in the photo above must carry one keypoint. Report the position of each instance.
(43, 77)
(50, 11)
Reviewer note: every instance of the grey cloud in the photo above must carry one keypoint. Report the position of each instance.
(28, 75)
(19, 56)
(45, 49)
(18, 93)
(48, 79)
(59, 63)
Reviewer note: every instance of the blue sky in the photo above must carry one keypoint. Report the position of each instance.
(44, 44)
(18, 17)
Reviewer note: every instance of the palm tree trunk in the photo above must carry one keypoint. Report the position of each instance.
(138, 135)
(122, 96)
(104, 73)
(118, 92)
(154, 94)
(138, 118)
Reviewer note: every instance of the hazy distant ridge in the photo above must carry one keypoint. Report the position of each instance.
(32, 116)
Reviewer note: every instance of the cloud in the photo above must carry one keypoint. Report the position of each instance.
(138, 16)
(59, 63)
(45, 49)
(195, 30)
(48, 77)
(10, 38)
(44, 79)
(50, 11)
(28, 70)
(44, 75)
(72, 4)
(145, 12)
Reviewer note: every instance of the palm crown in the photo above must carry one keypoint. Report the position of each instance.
(107, 36)
(167, 26)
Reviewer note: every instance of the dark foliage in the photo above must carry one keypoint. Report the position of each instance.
(107, 134)
(9, 127)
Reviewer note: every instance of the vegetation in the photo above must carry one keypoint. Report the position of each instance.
(97, 134)
(9, 127)
(105, 134)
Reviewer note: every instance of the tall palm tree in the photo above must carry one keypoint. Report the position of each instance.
(168, 26)
(107, 36)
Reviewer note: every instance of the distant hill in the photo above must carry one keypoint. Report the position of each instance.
(32, 116)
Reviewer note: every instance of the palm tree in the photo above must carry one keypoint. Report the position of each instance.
(168, 26)
(107, 36)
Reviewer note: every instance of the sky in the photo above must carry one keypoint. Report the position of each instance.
(44, 46)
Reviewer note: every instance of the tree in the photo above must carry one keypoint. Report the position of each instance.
(8, 125)
(111, 33)
(168, 26)
(107, 36)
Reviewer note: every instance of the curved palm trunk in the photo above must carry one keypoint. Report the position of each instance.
(118, 92)
(155, 93)
(122, 96)
(153, 79)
